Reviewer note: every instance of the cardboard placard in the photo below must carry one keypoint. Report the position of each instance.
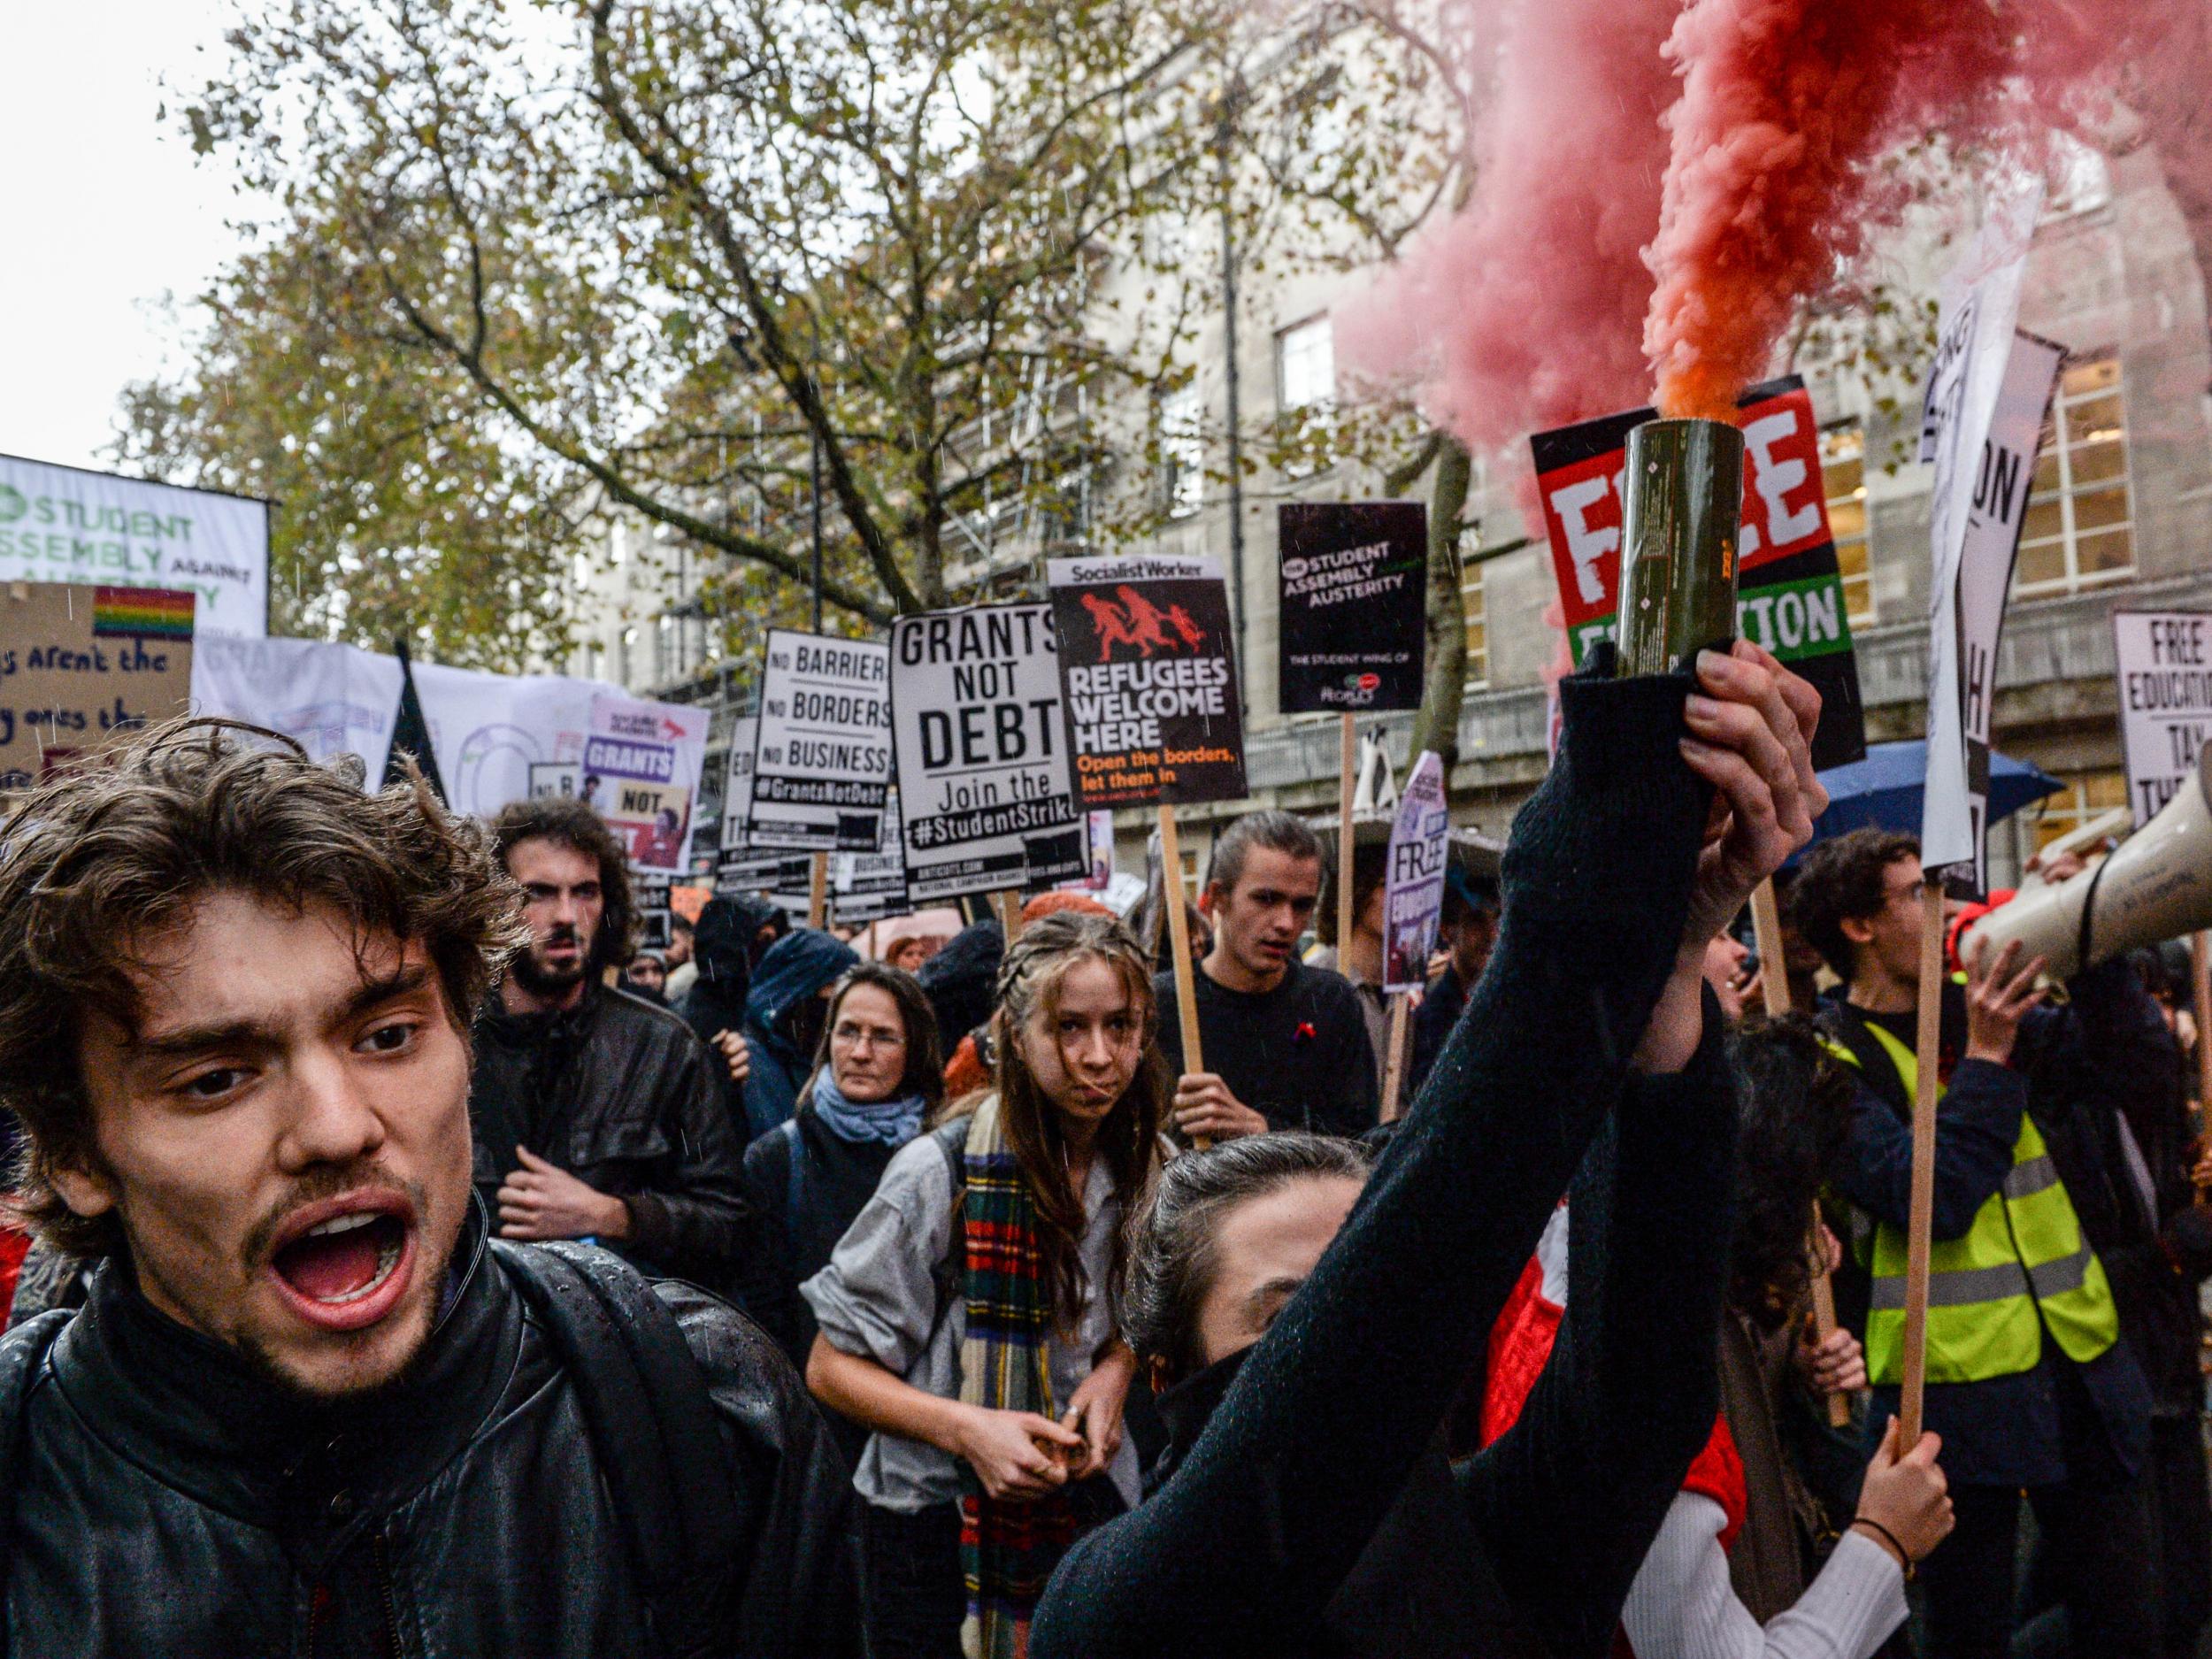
(867, 887)
(982, 752)
(1790, 591)
(1148, 678)
(822, 754)
(1354, 592)
(81, 666)
(2165, 660)
(641, 773)
(737, 785)
(1413, 881)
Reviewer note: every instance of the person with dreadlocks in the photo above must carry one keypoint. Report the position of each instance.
(969, 1317)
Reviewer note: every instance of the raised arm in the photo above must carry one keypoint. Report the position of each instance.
(1569, 1500)
(1605, 889)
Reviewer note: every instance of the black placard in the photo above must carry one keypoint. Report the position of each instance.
(1353, 596)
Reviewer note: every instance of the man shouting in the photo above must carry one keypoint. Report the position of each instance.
(310, 1405)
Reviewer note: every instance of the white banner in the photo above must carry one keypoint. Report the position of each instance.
(2165, 660)
(61, 524)
(330, 699)
(1413, 900)
(1969, 607)
(642, 763)
(822, 761)
(982, 755)
(737, 785)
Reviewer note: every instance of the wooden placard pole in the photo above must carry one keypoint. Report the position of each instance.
(1010, 913)
(2200, 1001)
(1171, 896)
(817, 891)
(1774, 985)
(1394, 1068)
(1920, 1218)
(1347, 758)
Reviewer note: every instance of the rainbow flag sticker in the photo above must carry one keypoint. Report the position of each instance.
(142, 612)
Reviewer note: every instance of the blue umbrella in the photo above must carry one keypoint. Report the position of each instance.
(1884, 791)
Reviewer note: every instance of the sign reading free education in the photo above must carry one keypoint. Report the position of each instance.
(1148, 679)
(1413, 878)
(1355, 588)
(822, 752)
(2165, 660)
(982, 752)
(1789, 594)
(62, 524)
(79, 666)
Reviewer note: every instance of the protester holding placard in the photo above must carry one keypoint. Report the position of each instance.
(1360, 959)
(597, 1115)
(2028, 1384)
(1285, 1045)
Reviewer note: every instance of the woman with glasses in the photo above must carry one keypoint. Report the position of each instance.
(878, 1076)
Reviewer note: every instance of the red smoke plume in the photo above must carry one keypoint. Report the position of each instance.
(1735, 143)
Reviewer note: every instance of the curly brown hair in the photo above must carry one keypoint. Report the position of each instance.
(97, 864)
(567, 821)
(1845, 879)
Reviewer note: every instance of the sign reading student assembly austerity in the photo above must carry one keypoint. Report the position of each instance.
(2165, 660)
(79, 666)
(1355, 588)
(62, 524)
(1148, 679)
(822, 755)
(982, 752)
(1789, 597)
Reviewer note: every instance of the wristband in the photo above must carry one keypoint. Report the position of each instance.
(1903, 1555)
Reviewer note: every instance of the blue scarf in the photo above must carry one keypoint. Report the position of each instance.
(894, 1122)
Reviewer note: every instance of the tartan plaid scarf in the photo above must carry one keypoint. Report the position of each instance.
(1007, 1549)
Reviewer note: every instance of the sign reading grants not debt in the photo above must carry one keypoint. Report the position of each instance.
(982, 752)
(1790, 592)
(822, 754)
(1148, 680)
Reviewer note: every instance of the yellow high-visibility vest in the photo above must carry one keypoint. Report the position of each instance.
(2025, 1253)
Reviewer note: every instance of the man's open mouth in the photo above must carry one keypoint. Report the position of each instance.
(346, 1264)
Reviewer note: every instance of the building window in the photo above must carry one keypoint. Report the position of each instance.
(2080, 531)
(1305, 365)
(1182, 453)
(2087, 795)
(1476, 607)
(1843, 470)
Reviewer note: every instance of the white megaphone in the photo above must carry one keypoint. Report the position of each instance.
(2156, 885)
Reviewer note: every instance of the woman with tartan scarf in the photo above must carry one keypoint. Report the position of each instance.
(969, 1316)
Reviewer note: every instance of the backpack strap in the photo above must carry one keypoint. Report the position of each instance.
(793, 1174)
(22, 1356)
(645, 1402)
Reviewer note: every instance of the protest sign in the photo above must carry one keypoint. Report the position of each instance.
(982, 752)
(62, 524)
(1354, 590)
(1148, 680)
(1986, 447)
(1413, 880)
(2165, 660)
(82, 666)
(649, 894)
(867, 887)
(1098, 843)
(781, 876)
(822, 752)
(330, 699)
(641, 773)
(1789, 595)
(737, 785)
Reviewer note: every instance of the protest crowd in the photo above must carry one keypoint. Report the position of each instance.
(541, 1184)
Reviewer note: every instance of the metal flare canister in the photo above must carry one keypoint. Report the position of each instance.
(1679, 523)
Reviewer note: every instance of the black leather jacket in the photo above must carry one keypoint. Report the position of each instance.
(621, 1095)
(170, 1501)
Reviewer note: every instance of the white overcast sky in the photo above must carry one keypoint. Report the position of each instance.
(104, 206)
